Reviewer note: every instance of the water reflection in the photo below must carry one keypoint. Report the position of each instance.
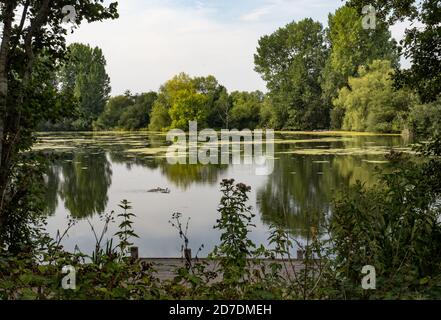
(118, 157)
(298, 194)
(184, 176)
(81, 180)
(307, 175)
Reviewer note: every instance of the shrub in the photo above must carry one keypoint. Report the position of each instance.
(425, 120)
(395, 227)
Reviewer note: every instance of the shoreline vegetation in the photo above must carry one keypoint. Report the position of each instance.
(316, 132)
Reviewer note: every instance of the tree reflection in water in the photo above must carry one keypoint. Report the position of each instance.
(296, 196)
(81, 180)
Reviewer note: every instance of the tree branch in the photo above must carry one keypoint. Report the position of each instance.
(36, 24)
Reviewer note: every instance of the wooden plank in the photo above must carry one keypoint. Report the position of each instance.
(166, 267)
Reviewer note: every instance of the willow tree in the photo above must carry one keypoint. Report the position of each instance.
(371, 103)
(33, 46)
(351, 46)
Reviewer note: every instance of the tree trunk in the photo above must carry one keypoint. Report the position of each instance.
(10, 135)
(4, 53)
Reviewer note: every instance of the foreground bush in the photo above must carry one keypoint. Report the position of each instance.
(396, 227)
(425, 120)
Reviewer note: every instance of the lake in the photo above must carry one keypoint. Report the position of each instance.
(93, 172)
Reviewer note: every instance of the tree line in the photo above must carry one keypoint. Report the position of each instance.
(340, 77)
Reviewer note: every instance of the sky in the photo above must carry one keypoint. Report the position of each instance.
(153, 40)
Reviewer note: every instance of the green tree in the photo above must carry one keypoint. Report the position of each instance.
(245, 111)
(188, 106)
(421, 44)
(351, 47)
(371, 103)
(85, 75)
(137, 116)
(33, 45)
(159, 118)
(113, 111)
(291, 61)
(221, 114)
(182, 99)
(218, 103)
(424, 120)
(267, 113)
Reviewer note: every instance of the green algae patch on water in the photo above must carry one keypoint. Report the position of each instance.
(316, 140)
(342, 151)
(148, 151)
(52, 147)
(340, 133)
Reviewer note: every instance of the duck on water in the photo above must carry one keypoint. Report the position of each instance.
(159, 190)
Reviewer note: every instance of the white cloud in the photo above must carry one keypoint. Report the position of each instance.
(153, 41)
(145, 49)
(294, 9)
(256, 14)
(398, 33)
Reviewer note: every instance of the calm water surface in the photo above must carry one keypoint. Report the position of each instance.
(94, 172)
